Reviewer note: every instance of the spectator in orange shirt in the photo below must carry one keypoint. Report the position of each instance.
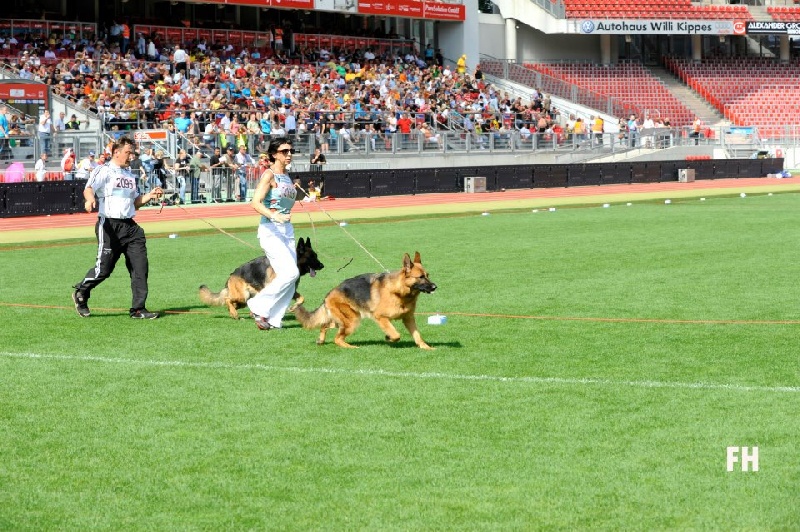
(404, 125)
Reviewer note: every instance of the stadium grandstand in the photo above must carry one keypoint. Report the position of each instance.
(377, 85)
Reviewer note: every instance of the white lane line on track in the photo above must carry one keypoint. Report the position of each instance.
(411, 374)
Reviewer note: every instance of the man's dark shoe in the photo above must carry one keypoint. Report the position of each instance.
(80, 304)
(144, 314)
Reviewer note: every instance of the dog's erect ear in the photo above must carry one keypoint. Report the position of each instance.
(308, 241)
(301, 244)
(407, 262)
(417, 260)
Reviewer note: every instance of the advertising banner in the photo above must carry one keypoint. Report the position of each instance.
(773, 28)
(652, 27)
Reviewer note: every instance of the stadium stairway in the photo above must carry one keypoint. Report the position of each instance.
(759, 13)
(699, 106)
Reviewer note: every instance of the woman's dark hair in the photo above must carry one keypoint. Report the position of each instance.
(276, 143)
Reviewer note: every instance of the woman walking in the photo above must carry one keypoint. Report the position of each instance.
(273, 199)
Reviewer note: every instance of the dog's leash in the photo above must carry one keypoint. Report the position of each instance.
(337, 222)
(221, 230)
(314, 230)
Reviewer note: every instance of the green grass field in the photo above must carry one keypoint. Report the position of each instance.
(595, 365)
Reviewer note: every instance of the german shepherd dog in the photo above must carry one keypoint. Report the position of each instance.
(380, 296)
(250, 278)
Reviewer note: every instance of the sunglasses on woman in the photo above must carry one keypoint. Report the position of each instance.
(286, 151)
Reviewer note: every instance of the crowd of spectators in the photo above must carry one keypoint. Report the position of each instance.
(217, 94)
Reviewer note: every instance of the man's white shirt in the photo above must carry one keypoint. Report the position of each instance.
(116, 191)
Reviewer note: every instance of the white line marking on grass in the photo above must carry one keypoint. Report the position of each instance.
(412, 374)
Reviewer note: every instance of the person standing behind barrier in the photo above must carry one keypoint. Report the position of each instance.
(45, 131)
(86, 166)
(181, 173)
(159, 173)
(74, 124)
(117, 200)
(697, 125)
(147, 165)
(317, 160)
(3, 129)
(41, 167)
(579, 130)
(137, 169)
(68, 164)
(215, 163)
(598, 127)
(633, 131)
(196, 167)
(59, 125)
(243, 164)
(229, 167)
(273, 199)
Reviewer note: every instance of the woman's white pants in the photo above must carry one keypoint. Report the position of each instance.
(277, 240)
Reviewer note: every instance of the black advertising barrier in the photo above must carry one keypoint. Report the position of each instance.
(450, 179)
(724, 168)
(383, 183)
(616, 173)
(749, 167)
(646, 172)
(669, 170)
(771, 166)
(405, 181)
(49, 197)
(546, 176)
(513, 177)
(585, 174)
(60, 197)
(653, 172)
(357, 183)
(702, 169)
(439, 180)
(333, 182)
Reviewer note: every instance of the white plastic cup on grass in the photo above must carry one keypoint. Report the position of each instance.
(437, 319)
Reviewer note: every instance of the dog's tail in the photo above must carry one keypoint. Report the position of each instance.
(315, 318)
(216, 299)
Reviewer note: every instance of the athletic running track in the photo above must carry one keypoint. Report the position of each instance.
(45, 227)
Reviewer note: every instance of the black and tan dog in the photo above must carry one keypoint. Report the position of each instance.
(380, 296)
(250, 278)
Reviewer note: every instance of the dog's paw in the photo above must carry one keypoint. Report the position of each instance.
(392, 338)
